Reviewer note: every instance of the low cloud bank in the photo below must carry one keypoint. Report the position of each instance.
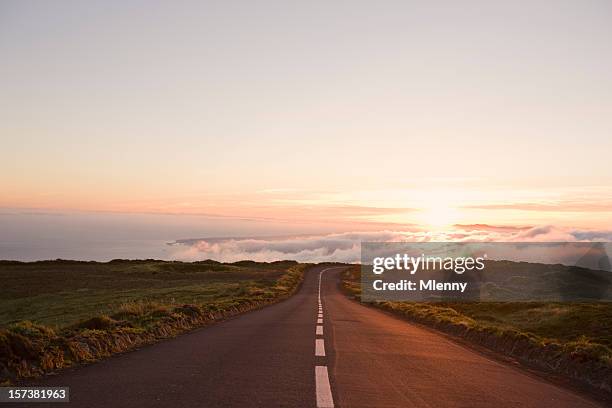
(345, 247)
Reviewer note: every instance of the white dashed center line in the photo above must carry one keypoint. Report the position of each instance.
(323, 387)
(324, 395)
(319, 348)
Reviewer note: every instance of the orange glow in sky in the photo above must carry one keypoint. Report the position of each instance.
(346, 114)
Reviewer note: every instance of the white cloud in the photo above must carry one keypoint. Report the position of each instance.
(345, 247)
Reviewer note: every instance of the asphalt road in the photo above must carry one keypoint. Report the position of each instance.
(279, 357)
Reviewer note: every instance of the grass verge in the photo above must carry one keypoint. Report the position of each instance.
(80, 312)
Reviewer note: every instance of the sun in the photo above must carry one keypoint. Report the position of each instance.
(439, 215)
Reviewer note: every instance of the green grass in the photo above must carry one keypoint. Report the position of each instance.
(61, 293)
(562, 322)
(55, 314)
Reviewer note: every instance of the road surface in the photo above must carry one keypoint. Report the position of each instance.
(317, 348)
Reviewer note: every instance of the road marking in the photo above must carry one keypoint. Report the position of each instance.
(324, 395)
(319, 348)
(323, 387)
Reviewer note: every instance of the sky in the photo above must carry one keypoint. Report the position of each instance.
(316, 116)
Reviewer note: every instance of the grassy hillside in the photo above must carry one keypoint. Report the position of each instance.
(60, 293)
(55, 314)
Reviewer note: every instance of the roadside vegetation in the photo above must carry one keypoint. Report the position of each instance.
(573, 339)
(56, 314)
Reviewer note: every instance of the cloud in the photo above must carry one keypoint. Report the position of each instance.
(345, 247)
(601, 236)
(342, 247)
(561, 206)
(487, 227)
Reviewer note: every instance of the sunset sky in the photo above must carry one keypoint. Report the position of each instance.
(345, 115)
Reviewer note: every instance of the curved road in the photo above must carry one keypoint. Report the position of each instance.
(278, 357)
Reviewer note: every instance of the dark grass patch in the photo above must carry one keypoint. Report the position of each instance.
(61, 293)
